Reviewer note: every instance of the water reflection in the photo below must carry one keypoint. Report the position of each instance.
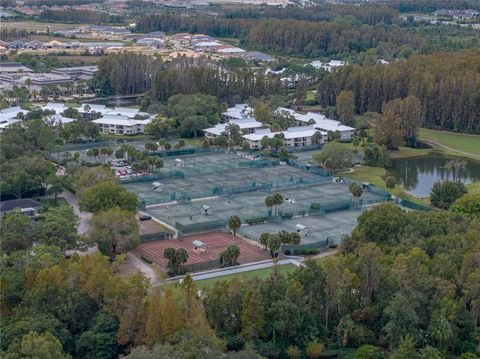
(418, 174)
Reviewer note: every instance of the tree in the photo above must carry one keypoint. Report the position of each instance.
(383, 224)
(36, 346)
(253, 315)
(440, 331)
(402, 320)
(115, 231)
(375, 155)
(16, 232)
(356, 190)
(56, 185)
(175, 258)
(409, 110)
(315, 349)
(277, 200)
(234, 223)
(469, 203)
(151, 146)
(230, 256)
(106, 195)
(263, 113)
(406, 349)
(337, 154)
(269, 202)
(60, 227)
(444, 194)
(387, 129)
(294, 352)
(265, 239)
(283, 153)
(367, 351)
(346, 107)
(100, 340)
(390, 182)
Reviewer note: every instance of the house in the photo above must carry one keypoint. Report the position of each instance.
(17, 44)
(27, 206)
(237, 112)
(34, 45)
(246, 125)
(121, 125)
(151, 42)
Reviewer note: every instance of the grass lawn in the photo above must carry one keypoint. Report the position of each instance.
(311, 96)
(405, 152)
(34, 25)
(454, 143)
(260, 273)
(375, 176)
(473, 187)
(193, 141)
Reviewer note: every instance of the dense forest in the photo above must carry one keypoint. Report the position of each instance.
(447, 85)
(125, 74)
(80, 16)
(404, 283)
(427, 6)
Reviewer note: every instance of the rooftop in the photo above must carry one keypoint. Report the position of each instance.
(10, 205)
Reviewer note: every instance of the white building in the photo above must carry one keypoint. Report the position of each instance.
(255, 139)
(8, 116)
(302, 136)
(321, 122)
(245, 124)
(293, 137)
(237, 112)
(121, 125)
(327, 66)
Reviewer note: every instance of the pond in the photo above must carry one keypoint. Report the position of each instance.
(418, 174)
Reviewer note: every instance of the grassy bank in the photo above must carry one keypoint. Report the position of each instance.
(376, 176)
(452, 143)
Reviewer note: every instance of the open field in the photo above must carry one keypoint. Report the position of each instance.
(453, 143)
(259, 273)
(35, 26)
(216, 242)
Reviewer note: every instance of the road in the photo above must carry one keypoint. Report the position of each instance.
(85, 217)
(134, 264)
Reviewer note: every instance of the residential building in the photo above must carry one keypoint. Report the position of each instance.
(77, 72)
(152, 42)
(246, 125)
(237, 112)
(33, 81)
(9, 67)
(293, 137)
(321, 122)
(121, 125)
(27, 206)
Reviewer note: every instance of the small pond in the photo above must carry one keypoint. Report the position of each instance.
(418, 174)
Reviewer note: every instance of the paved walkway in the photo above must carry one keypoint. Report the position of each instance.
(85, 217)
(237, 269)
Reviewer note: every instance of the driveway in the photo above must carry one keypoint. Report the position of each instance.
(84, 217)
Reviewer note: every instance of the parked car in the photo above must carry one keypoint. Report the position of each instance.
(121, 164)
(145, 217)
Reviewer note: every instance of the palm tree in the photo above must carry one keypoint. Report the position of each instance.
(277, 201)
(356, 191)
(265, 239)
(269, 202)
(234, 223)
(328, 165)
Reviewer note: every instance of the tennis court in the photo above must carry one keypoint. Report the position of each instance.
(216, 242)
(332, 226)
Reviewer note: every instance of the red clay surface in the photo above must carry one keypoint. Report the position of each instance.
(216, 243)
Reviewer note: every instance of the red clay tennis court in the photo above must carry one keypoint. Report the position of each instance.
(216, 242)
